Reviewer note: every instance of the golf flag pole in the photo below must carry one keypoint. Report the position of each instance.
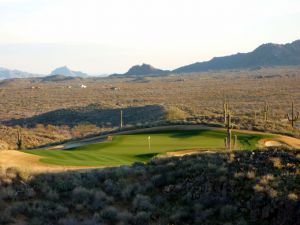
(149, 141)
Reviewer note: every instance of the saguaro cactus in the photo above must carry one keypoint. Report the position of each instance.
(121, 119)
(235, 142)
(225, 142)
(229, 135)
(19, 141)
(266, 111)
(254, 117)
(293, 117)
(225, 110)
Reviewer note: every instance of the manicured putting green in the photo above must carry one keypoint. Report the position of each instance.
(126, 149)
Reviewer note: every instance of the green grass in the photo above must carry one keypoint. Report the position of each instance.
(126, 149)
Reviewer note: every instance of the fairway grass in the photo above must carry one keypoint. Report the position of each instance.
(130, 148)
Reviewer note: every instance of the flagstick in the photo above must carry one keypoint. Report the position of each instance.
(149, 138)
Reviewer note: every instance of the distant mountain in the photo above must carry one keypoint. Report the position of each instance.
(8, 74)
(67, 72)
(57, 78)
(142, 70)
(264, 56)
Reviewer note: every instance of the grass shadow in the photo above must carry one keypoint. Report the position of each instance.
(145, 157)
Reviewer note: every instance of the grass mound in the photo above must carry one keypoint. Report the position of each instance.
(127, 149)
(249, 187)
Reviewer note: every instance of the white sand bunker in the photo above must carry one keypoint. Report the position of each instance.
(274, 144)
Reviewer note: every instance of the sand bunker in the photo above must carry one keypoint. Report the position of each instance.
(281, 140)
(274, 144)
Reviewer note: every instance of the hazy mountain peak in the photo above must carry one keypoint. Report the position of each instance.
(64, 70)
(144, 69)
(8, 74)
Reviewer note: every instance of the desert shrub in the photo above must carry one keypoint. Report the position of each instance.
(68, 221)
(179, 216)
(81, 195)
(112, 188)
(142, 203)
(5, 216)
(125, 218)
(7, 193)
(158, 180)
(227, 212)
(130, 191)
(99, 200)
(110, 214)
(4, 145)
(174, 113)
(12, 173)
(142, 218)
(52, 195)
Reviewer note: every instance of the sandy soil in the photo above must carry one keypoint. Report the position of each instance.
(187, 152)
(30, 163)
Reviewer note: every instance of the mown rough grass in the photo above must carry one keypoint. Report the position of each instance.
(127, 149)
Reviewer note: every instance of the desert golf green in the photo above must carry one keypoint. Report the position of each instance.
(126, 149)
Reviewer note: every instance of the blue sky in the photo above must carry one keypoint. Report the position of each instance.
(105, 36)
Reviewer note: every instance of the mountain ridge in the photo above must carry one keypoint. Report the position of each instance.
(12, 73)
(265, 55)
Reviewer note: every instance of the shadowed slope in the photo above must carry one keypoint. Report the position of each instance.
(95, 114)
